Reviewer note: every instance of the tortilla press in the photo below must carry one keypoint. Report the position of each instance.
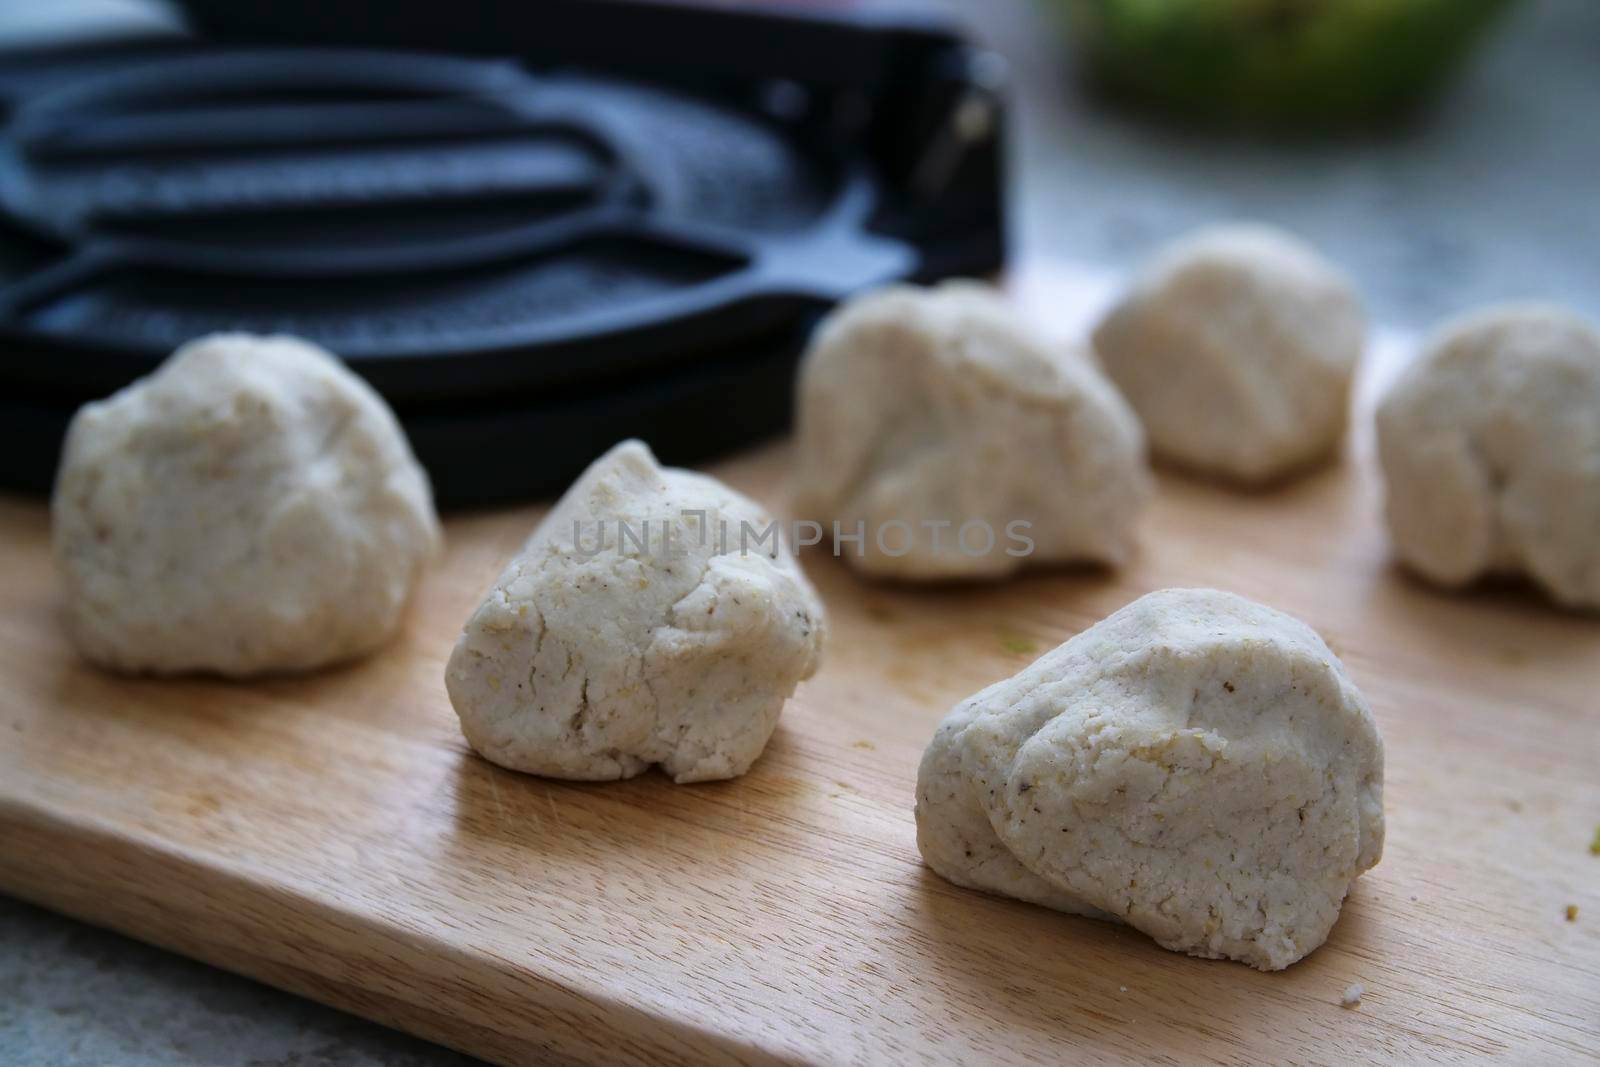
(535, 229)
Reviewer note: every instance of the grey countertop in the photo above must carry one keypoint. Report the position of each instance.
(1496, 195)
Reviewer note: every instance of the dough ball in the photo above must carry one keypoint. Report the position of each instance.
(250, 507)
(1236, 346)
(1196, 765)
(961, 444)
(651, 618)
(1490, 445)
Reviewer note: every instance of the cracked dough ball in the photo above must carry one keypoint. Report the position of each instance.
(1196, 765)
(250, 507)
(1490, 445)
(609, 645)
(1236, 346)
(926, 406)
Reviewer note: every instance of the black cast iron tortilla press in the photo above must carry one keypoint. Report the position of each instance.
(532, 234)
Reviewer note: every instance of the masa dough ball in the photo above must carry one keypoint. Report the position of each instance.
(920, 407)
(252, 506)
(1236, 346)
(1490, 445)
(1196, 765)
(604, 648)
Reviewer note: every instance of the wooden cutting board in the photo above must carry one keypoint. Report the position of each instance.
(333, 835)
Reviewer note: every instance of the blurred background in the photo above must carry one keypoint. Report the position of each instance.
(1444, 152)
(1482, 186)
(1441, 150)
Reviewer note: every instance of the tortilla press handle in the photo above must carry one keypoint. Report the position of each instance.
(840, 257)
(836, 265)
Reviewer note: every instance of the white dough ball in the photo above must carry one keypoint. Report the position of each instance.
(650, 619)
(1490, 445)
(924, 411)
(250, 507)
(1196, 765)
(1237, 346)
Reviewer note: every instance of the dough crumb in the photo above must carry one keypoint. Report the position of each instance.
(1017, 644)
(1352, 995)
(1572, 913)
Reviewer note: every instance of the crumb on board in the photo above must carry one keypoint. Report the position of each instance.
(1352, 995)
(1123, 988)
(1572, 913)
(1594, 846)
(1018, 644)
(864, 744)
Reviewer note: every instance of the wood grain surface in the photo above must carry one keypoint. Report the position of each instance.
(333, 835)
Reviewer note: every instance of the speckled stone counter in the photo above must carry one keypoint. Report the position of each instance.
(1495, 196)
(71, 994)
